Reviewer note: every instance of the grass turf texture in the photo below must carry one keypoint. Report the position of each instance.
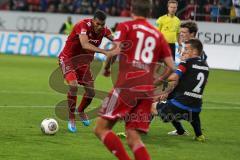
(26, 99)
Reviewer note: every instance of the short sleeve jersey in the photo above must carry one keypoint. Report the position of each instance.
(193, 77)
(169, 27)
(143, 47)
(73, 46)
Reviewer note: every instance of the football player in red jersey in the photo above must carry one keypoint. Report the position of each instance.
(130, 99)
(75, 60)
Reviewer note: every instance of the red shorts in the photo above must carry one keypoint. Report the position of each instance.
(81, 73)
(136, 117)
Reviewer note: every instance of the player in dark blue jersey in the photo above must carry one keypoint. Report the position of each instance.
(185, 100)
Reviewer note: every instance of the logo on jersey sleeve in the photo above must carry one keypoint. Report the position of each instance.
(83, 31)
(89, 24)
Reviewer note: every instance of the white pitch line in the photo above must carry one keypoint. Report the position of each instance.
(207, 108)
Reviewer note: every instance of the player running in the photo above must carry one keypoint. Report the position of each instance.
(128, 101)
(75, 61)
(185, 102)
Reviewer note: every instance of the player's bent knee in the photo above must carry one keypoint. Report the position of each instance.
(133, 137)
(96, 131)
(100, 128)
(130, 142)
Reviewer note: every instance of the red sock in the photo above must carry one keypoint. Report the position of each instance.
(115, 146)
(84, 103)
(140, 153)
(72, 100)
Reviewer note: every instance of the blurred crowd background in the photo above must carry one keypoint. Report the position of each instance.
(199, 10)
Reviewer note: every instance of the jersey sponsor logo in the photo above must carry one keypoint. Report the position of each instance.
(200, 67)
(94, 41)
(141, 65)
(194, 95)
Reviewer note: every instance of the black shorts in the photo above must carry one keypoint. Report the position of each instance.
(168, 113)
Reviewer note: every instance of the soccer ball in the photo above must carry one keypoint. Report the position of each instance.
(49, 126)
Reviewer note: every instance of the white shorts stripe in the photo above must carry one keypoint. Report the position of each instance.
(112, 102)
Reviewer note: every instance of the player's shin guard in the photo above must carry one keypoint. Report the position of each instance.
(84, 103)
(71, 104)
(140, 152)
(115, 146)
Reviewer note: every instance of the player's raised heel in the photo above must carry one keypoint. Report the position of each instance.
(200, 138)
(174, 133)
(84, 119)
(72, 126)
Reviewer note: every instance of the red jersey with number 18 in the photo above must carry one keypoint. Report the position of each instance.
(143, 46)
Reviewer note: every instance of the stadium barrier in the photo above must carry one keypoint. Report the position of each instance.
(31, 44)
(37, 44)
(209, 33)
(219, 56)
(221, 40)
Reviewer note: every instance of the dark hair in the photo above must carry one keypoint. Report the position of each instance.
(172, 1)
(141, 7)
(196, 44)
(101, 15)
(191, 25)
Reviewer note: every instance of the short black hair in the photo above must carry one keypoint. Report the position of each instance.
(196, 44)
(191, 25)
(101, 15)
(141, 7)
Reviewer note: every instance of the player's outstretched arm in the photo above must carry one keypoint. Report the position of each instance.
(88, 46)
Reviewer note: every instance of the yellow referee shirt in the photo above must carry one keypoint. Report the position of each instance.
(169, 27)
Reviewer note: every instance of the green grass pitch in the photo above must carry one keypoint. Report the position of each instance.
(26, 99)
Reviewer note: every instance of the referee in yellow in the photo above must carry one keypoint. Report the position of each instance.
(169, 25)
